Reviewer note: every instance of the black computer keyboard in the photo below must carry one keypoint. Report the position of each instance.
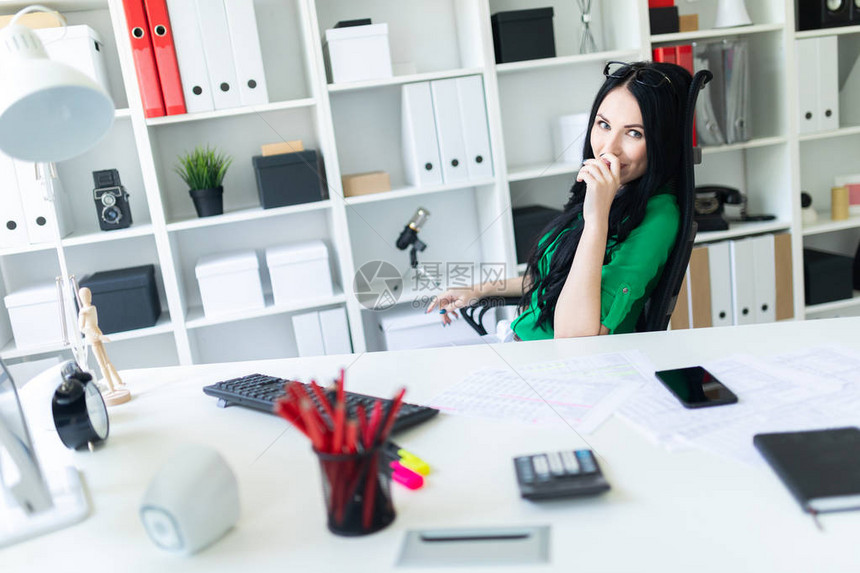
(260, 392)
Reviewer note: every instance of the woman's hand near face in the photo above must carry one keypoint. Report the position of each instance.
(602, 176)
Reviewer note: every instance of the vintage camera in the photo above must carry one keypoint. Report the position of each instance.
(111, 200)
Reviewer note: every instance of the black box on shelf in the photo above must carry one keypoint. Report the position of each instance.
(523, 35)
(290, 178)
(529, 221)
(664, 20)
(126, 299)
(827, 276)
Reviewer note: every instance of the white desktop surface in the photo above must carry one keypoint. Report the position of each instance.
(681, 511)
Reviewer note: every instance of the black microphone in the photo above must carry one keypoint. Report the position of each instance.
(409, 235)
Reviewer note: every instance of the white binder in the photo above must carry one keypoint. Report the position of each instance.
(335, 331)
(721, 284)
(449, 130)
(743, 281)
(219, 53)
(764, 256)
(827, 65)
(309, 340)
(420, 146)
(476, 134)
(13, 229)
(808, 90)
(188, 43)
(245, 41)
(43, 217)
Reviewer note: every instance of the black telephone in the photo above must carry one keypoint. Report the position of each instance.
(710, 205)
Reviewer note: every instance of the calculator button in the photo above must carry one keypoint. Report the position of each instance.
(555, 465)
(541, 466)
(568, 460)
(586, 461)
(524, 467)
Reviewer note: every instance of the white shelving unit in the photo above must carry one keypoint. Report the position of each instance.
(357, 128)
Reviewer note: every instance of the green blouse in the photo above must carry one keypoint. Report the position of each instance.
(628, 278)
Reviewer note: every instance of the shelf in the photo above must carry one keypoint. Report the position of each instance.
(835, 305)
(826, 225)
(163, 326)
(715, 33)
(104, 236)
(27, 249)
(841, 132)
(751, 144)
(414, 191)
(602, 57)
(11, 7)
(196, 318)
(252, 214)
(827, 32)
(741, 230)
(232, 112)
(400, 80)
(523, 172)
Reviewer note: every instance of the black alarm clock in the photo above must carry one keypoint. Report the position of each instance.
(80, 414)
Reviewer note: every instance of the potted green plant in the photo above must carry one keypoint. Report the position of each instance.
(203, 171)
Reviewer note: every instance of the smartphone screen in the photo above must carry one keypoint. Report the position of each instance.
(695, 387)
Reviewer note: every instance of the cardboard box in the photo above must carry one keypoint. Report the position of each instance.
(35, 20)
(365, 183)
(688, 22)
(282, 147)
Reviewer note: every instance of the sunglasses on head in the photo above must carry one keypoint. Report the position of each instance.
(642, 74)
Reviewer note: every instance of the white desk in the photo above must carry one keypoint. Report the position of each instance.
(685, 511)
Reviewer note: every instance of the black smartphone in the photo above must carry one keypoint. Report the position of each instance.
(695, 387)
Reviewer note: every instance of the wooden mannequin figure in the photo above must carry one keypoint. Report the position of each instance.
(88, 322)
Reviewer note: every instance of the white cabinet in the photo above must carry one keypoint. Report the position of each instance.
(358, 127)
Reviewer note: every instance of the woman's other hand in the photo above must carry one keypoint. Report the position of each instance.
(451, 300)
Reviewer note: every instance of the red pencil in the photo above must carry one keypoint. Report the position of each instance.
(307, 410)
(339, 419)
(323, 399)
(392, 414)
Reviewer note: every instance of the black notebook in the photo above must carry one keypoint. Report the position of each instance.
(821, 468)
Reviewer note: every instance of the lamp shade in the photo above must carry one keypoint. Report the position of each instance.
(49, 111)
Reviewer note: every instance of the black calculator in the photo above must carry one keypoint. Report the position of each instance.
(559, 474)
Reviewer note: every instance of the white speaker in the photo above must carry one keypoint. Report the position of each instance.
(732, 13)
(191, 502)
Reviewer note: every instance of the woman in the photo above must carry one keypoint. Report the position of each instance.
(596, 263)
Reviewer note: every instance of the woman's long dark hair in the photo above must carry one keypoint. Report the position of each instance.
(662, 108)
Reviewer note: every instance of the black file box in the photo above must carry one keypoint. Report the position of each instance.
(528, 223)
(126, 299)
(664, 20)
(523, 35)
(826, 276)
(290, 178)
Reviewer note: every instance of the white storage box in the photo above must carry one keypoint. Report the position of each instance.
(323, 332)
(357, 53)
(78, 46)
(413, 328)
(35, 316)
(229, 283)
(299, 271)
(569, 136)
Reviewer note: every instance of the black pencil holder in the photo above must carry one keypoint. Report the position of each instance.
(357, 492)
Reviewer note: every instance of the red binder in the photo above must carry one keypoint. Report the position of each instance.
(165, 56)
(666, 55)
(144, 59)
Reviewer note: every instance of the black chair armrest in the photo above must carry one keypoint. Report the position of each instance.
(481, 306)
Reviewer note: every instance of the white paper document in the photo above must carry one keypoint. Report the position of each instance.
(582, 391)
(799, 392)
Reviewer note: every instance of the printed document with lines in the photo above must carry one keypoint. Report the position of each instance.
(781, 394)
(583, 391)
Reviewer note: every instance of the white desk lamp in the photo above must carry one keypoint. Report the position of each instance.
(49, 112)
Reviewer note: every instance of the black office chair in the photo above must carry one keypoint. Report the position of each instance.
(660, 304)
